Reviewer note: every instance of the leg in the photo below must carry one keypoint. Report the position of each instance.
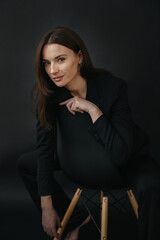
(74, 235)
(144, 176)
(27, 167)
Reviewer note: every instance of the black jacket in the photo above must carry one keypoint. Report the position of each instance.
(114, 129)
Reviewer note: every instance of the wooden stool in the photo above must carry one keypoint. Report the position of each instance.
(104, 211)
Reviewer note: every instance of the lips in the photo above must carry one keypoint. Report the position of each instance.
(58, 78)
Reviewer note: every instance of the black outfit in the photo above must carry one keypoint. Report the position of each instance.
(89, 149)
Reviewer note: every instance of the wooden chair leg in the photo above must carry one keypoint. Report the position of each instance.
(101, 205)
(69, 212)
(133, 202)
(104, 218)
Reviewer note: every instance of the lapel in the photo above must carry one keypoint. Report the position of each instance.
(93, 95)
(61, 95)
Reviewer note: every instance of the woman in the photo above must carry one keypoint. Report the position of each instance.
(84, 125)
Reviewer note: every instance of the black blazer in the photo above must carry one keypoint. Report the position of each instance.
(114, 130)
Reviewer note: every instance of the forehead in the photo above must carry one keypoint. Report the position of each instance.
(54, 49)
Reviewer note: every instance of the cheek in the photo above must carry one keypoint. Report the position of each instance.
(46, 69)
(70, 68)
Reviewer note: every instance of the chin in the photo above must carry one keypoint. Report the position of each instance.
(60, 84)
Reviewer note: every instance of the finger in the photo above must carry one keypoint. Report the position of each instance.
(49, 232)
(78, 110)
(69, 108)
(81, 111)
(44, 229)
(76, 107)
(73, 107)
(54, 232)
(64, 102)
(75, 110)
(58, 236)
(71, 111)
(59, 224)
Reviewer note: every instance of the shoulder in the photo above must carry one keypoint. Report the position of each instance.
(107, 79)
(109, 84)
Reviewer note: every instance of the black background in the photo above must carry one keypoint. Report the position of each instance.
(121, 36)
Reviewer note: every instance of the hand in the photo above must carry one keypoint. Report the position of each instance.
(78, 104)
(50, 220)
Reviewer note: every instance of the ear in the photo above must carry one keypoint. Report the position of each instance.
(80, 56)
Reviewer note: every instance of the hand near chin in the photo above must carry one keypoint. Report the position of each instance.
(79, 104)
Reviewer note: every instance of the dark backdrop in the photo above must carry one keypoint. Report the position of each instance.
(121, 36)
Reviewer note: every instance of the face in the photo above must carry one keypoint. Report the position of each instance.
(61, 64)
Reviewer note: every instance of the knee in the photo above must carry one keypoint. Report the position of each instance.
(149, 184)
(21, 163)
(27, 162)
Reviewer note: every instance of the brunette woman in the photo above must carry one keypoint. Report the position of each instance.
(88, 108)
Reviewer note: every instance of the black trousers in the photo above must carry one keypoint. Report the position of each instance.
(27, 167)
(143, 173)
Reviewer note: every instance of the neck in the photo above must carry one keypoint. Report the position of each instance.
(78, 87)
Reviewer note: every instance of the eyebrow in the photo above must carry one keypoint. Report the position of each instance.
(56, 57)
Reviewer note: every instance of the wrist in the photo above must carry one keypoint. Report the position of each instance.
(46, 202)
(95, 113)
(93, 110)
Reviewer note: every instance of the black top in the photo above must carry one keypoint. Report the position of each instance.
(87, 152)
(81, 157)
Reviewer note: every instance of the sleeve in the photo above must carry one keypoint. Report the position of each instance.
(46, 159)
(115, 132)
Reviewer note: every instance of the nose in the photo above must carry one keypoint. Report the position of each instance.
(53, 68)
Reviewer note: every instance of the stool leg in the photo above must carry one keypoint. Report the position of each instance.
(101, 205)
(69, 212)
(133, 202)
(104, 218)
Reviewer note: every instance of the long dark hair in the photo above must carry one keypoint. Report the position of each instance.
(44, 87)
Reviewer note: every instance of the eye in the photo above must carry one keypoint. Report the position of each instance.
(46, 63)
(61, 59)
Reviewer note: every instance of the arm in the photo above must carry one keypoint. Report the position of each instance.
(50, 218)
(45, 150)
(114, 132)
(46, 166)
